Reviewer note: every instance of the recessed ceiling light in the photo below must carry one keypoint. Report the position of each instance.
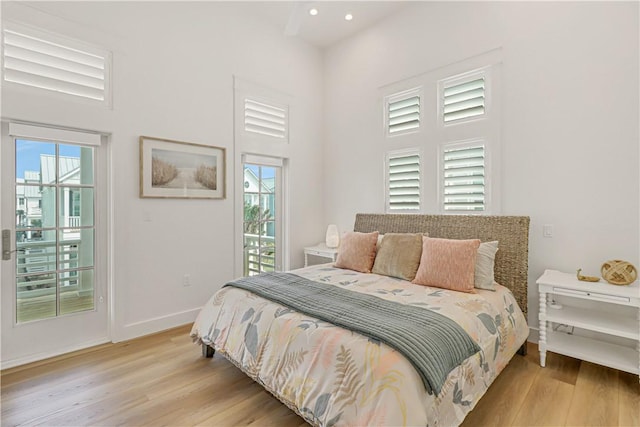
(348, 17)
(313, 11)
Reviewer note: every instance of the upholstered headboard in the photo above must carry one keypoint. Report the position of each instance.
(512, 233)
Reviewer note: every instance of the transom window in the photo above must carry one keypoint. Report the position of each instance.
(52, 62)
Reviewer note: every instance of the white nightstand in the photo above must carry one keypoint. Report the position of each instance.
(320, 250)
(603, 318)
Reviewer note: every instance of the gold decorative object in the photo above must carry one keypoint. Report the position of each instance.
(586, 278)
(618, 272)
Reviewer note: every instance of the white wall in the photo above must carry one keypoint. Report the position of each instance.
(569, 118)
(173, 68)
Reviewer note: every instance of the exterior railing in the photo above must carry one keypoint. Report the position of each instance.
(37, 262)
(259, 254)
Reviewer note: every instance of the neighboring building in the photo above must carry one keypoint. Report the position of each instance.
(69, 170)
(28, 201)
(253, 192)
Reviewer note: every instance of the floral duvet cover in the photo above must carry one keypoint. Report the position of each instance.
(332, 376)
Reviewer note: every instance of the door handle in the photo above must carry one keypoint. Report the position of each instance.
(6, 245)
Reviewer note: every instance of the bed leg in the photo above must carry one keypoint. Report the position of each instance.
(522, 351)
(207, 351)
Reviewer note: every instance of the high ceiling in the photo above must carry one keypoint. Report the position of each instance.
(329, 25)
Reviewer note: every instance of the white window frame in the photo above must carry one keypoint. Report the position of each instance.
(69, 43)
(387, 198)
(482, 73)
(282, 251)
(400, 96)
(487, 175)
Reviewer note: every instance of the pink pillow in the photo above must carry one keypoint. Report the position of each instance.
(448, 264)
(357, 251)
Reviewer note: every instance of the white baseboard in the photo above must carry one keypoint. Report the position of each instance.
(157, 324)
(11, 363)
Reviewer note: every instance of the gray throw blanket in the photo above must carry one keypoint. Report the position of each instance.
(433, 343)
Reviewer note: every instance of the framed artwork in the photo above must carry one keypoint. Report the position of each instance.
(181, 170)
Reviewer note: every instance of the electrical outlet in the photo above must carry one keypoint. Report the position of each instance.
(186, 280)
(547, 230)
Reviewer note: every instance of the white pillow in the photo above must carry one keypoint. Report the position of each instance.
(485, 260)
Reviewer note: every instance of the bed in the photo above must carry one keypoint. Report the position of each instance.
(330, 375)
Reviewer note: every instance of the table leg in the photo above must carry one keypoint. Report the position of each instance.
(542, 341)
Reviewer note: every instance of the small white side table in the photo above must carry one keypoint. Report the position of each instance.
(603, 318)
(320, 250)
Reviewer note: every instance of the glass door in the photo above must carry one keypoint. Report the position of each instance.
(50, 284)
(261, 223)
(55, 230)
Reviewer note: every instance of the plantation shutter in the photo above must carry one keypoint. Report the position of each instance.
(464, 178)
(265, 119)
(404, 182)
(463, 100)
(60, 67)
(403, 114)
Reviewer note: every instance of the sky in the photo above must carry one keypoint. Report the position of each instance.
(267, 172)
(28, 154)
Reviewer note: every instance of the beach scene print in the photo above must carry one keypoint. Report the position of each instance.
(176, 169)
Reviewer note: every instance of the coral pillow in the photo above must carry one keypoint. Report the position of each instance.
(448, 264)
(357, 251)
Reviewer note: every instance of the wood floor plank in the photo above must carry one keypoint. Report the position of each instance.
(515, 382)
(629, 399)
(548, 400)
(595, 398)
(163, 380)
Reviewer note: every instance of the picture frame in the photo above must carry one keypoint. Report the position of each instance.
(181, 170)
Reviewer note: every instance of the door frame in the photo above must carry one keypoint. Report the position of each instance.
(103, 260)
(282, 203)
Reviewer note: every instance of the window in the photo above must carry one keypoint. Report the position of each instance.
(462, 98)
(403, 181)
(402, 111)
(448, 123)
(56, 244)
(463, 177)
(265, 119)
(262, 214)
(55, 63)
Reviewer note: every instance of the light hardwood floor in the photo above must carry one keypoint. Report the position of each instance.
(163, 380)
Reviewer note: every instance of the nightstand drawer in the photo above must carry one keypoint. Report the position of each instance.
(590, 295)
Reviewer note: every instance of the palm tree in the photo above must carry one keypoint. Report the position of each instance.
(254, 217)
